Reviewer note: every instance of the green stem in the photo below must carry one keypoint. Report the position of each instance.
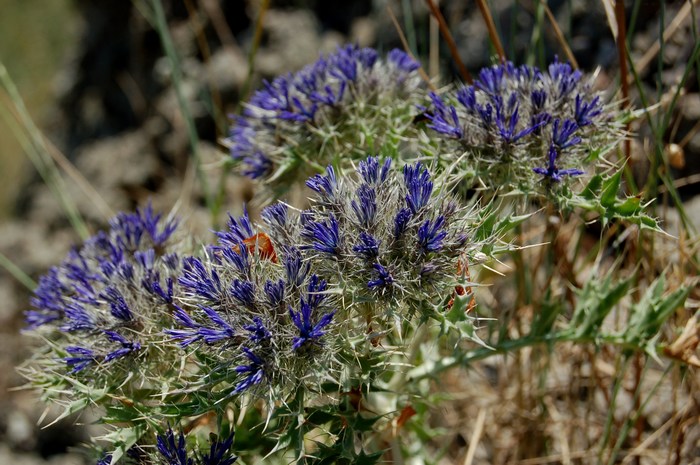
(17, 272)
(505, 347)
(33, 144)
(176, 70)
(399, 378)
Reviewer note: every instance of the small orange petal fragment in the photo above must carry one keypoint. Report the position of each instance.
(406, 413)
(262, 242)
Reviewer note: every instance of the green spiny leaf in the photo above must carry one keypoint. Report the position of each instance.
(591, 190)
(595, 301)
(611, 186)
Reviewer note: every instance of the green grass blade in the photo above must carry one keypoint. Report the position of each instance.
(17, 272)
(161, 25)
(18, 118)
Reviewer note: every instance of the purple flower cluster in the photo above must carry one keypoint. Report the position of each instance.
(257, 298)
(289, 113)
(382, 228)
(104, 293)
(522, 116)
(269, 304)
(173, 451)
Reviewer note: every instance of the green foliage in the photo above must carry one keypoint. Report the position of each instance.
(601, 196)
(357, 390)
(595, 301)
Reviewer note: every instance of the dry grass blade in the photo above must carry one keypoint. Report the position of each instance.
(17, 273)
(257, 37)
(476, 437)
(407, 49)
(560, 36)
(218, 21)
(685, 347)
(493, 34)
(198, 27)
(669, 31)
(445, 31)
(67, 167)
(643, 446)
(609, 8)
(14, 111)
(77, 177)
(622, 56)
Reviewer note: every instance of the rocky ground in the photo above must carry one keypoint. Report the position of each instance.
(117, 120)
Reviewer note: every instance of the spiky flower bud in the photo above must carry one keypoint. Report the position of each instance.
(381, 229)
(373, 248)
(349, 102)
(172, 450)
(102, 310)
(516, 126)
(255, 306)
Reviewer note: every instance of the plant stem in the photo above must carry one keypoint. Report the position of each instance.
(162, 26)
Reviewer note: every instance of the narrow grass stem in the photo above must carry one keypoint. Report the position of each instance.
(622, 58)
(17, 116)
(491, 26)
(257, 37)
(610, 420)
(447, 35)
(17, 272)
(560, 36)
(161, 26)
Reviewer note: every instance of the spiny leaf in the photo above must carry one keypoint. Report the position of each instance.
(650, 313)
(593, 187)
(611, 186)
(595, 301)
(123, 439)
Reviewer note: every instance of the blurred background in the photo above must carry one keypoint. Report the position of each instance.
(94, 77)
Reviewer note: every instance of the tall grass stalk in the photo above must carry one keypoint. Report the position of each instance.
(17, 116)
(161, 25)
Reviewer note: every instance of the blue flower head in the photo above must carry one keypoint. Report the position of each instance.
(220, 452)
(367, 247)
(254, 371)
(315, 110)
(79, 358)
(295, 266)
(552, 172)
(108, 299)
(402, 61)
(274, 292)
(410, 227)
(499, 129)
(173, 450)
(258, 331)
(419, 186)
(239, 229)
(275, 215)
(431, 234)
(370, 171)
(243, 292)
(382, 279)
(324, 185)
(325, 235)
(309, 332)
(365, 206)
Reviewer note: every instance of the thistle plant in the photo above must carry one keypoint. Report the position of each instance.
(520, 127)
(312, 304)
(315, 333)
(335, 110)
(100, 314)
